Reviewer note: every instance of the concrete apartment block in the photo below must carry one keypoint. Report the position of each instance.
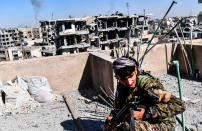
(75, 35)
(72, 35)
(9, 37)
(48, 31)
(48, 36)
(30, 33)
(108, 31)
(18, 53)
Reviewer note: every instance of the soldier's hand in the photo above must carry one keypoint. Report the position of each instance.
(108, 122)
(138, 115)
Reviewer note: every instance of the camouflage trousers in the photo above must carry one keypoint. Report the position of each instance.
(146, 126)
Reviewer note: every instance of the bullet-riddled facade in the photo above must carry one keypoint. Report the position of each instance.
(72, 35)
(9, 37)
(75, 35)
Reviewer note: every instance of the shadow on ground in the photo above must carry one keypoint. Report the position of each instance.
(88, 125)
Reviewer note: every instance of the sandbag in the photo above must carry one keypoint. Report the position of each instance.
(39, 88)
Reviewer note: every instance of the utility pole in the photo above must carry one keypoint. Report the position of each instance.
(127, 5)
(52, 15)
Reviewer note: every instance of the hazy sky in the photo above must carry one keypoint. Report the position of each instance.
(15, 13)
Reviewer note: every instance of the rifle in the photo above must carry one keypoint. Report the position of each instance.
(127, 109)
(120, 115)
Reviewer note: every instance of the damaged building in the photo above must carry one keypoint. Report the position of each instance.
(110, 30)
(48, 36)
(72, 35)
(9, 37)
(14, 43)
(18, 53)
(30, 33)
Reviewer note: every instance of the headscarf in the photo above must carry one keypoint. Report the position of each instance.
(124, 66)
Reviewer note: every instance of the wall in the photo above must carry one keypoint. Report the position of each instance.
(197, 56)
(102, 72)
(74, 71)
(63, 72)
(156, 60)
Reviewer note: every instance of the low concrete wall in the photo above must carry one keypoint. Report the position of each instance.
(102, 72)
(63, 72)
(156, 60)
(197, 56)
(74, 71)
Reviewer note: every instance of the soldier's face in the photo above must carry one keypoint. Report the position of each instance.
(129, 81)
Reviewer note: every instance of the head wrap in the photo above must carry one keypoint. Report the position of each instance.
(124, 66)
(124, 62)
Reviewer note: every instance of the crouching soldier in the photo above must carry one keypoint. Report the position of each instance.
(154, 109)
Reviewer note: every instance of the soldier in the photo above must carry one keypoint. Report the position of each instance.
(156, 108)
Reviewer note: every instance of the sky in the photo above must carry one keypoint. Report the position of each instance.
(20, 13)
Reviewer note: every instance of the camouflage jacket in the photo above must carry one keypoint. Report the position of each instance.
(157, 109)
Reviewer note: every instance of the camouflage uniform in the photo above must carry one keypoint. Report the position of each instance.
(159, 112)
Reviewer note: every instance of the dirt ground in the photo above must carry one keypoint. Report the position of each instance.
(55, 116)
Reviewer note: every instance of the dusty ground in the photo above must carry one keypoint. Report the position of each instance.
(192, 94)
(56, 117)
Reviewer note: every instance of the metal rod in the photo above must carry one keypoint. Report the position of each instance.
(74, 115)
(108, 96)
(185, 46)
(105, 101)
(142, 58)
(174, 2)
(129, 32)
(176, 63)
(139, 44)
(184, 54)
(112, 93)
(182, 35)
(192, 58)
(178, 119)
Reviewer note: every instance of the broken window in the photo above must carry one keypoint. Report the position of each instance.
(121, 23)
(101, 24)
(103, 36)
(111, 23)
(70, 40)
(81, 38)
(68, 25)
(52, 23)
(80, 25)
(112, 35)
